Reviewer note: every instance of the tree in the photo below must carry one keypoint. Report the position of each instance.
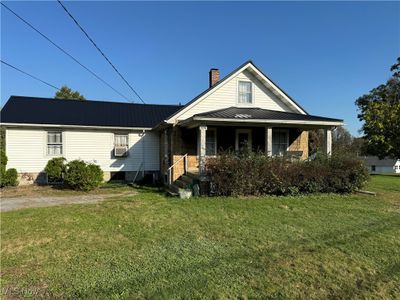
(342, 141)
(66, 93)
(380, 114)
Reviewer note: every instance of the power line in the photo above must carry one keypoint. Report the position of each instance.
(98, 49)
(65, 52)
(30, 75)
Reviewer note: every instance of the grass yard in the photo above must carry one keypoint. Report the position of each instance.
(151, 246)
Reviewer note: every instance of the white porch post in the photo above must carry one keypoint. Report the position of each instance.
(328, 141)
(268, 141)
(202, 149)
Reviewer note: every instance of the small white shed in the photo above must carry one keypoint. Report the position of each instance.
(381, 166)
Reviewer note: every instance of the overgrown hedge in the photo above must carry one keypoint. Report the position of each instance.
(256, 174)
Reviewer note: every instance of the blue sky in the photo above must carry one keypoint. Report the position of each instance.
(323, 54)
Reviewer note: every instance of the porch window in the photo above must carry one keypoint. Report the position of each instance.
(211, 142)
(245, 92)
(280, 142)
(54, 143)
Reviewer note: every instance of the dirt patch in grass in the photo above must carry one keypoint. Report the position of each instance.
(56, 190)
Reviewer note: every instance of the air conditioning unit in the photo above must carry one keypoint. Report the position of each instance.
(121, 151)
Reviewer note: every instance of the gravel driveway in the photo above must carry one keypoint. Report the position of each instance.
(14, 203)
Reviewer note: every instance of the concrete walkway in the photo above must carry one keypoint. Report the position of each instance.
(14, 203)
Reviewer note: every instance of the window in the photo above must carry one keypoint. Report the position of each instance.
(120, 145)
(373, 168)
(280, 142)
(54, 143)
(121, 140)
(211, 142)
(245, 92)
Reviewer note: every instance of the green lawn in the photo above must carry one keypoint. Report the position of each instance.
(151, 246)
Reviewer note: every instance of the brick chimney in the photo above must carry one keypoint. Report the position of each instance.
(214, 77)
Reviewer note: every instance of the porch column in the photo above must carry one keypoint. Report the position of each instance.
(202, 149)
(268, 141)
(328, 141)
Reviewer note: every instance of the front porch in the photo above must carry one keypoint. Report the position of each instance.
(186, 148)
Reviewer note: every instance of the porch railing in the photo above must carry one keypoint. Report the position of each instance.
(170, 169)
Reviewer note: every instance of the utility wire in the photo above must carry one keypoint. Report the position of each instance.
(65, 52)
(98, 49)
(30, 75)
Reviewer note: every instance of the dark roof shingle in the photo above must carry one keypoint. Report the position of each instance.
(32, 110)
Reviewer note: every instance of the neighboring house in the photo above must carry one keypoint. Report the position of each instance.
(244, 109)
(381, 166)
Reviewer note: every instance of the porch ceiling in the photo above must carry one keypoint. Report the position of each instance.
(234, 116)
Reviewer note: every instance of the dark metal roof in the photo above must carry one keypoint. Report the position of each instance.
(253, 113)
(32, 110)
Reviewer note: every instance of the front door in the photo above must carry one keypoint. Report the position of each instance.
(243, 139)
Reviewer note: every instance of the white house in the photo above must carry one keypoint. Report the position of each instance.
(382, 166)
(244, 108)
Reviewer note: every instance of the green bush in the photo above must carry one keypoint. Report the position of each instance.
(257, 174)
(82, 176)
(11, 177)
(2, 176)
(3, 158)
(7, 177)
(55, 169)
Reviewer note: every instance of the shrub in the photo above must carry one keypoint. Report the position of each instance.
(11, 177)
(3, 158)
(257, 174)
(3, 163)
(2, 176)
(82, 176)
(7, 177)
(55, 169)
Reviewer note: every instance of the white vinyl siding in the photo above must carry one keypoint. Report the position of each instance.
(27, 149)
(226, 95)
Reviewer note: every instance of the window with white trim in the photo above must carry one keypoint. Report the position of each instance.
(121, 140)
(121, 145)
(211, 142)
(245, 90)
(54, 143)
(280, 142)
